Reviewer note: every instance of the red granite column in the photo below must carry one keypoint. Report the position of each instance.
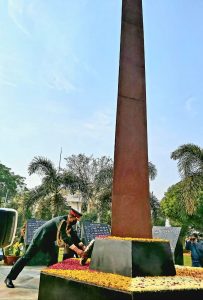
(130, 203)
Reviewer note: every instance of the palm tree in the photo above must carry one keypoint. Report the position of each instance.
(190, 166)
(155, 206)
(152, 170)
(154, 202)
(53, 181)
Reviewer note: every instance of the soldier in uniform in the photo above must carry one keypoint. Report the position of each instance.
(58, 229)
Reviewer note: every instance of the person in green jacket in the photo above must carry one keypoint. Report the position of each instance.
(57, 229)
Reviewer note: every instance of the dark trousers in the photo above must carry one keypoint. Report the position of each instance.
(196, 263)
(32, 250)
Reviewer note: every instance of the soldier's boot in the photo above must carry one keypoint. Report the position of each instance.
(9, 283)
(87, 253)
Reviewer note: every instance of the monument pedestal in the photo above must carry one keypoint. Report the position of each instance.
(59, 288)
(133, 257)
(69, 280)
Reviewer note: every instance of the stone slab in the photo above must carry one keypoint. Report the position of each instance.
(58, 288)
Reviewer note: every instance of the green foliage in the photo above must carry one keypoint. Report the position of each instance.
(190, 166)
(172, 206)
(187, 259)
(190, 160)
(16, 249)
(48, 198)
(103, 204)
(155, 210)
(92, 216)
(94, 178)
(10, 184)
(183, 202)
(152, 170)
(20, 203)
(106, 217)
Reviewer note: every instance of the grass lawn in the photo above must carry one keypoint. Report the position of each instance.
(187, 259)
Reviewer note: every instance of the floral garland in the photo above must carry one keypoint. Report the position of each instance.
(187, 278)
(70, 264)
(136, 239)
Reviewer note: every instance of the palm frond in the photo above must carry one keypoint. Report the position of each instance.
(35, 195)
(57, 204)
(152, 170)
(155, 205)
(42, 166)
(190, 160)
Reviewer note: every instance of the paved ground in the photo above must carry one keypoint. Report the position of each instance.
(27, 284)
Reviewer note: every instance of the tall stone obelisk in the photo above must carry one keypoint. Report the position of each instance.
(130, 198)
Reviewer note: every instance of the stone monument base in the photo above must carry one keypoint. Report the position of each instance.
(133, 257)
(59, 288)
(69, 280)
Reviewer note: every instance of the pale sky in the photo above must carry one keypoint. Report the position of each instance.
(59, 75)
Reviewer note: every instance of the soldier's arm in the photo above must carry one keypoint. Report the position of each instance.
(76, 239)
(71, 238)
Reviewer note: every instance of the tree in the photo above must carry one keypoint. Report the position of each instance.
(190, 166)
(152, 170)
(154, 202)
(155, 208)
(95, 183)
(48, 195)
(19, 202)
(94, 175)
(10, 184)
(172, 208)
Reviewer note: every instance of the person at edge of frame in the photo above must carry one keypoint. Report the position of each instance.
(195, 245)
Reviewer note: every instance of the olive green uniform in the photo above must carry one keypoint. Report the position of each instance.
(44, 240)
